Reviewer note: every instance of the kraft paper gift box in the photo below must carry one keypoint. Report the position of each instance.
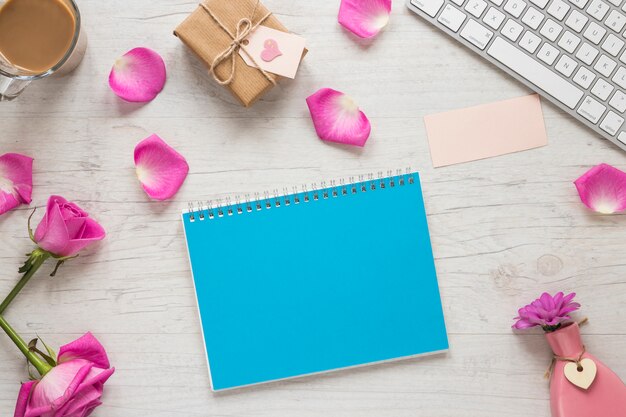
(208, 40)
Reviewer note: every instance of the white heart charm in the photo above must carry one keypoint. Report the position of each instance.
(581, 377)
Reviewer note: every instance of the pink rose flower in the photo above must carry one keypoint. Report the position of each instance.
(73, 388)
(66, 229)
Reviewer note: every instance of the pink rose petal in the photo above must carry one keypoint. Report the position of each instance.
(74, 384)
(90, 232)
(364, 18)
(337, 118)
(51, 232)
(603, 189)
(22, 398)
(82, 404)
(57, 386)
(138, 76)
(86, 347)
(16, 181)
(160, 169)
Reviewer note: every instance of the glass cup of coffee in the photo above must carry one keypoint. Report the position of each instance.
(38, 38)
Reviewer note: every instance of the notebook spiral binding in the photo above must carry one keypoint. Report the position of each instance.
(210, 209)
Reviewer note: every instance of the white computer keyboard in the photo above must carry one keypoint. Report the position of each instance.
(570, 51)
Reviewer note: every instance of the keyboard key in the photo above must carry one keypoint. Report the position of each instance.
(615, 3)
(623, 57)
(579, 3)
(569, 41)
(551, 30)
(451, 17)
(615, 21)
(458, 2)
(602, 89)
(548, 53)
(558, 9)
(512, 30)
(539, 3)
(618, 101)
(598, 9)
(497, 2)
(476, 34)
(494, 18)
(620, 77)
(605, 65)
(576, 20)
(566, 65)
(530, 42)
(591, 109)
(611, 123)
(622, 138)
(430, 7)
(532, 18)
(526, 66)
(587, 53)
(594, 32)
(613, 44)
(584, 77)
(515, 7)
(476, 7)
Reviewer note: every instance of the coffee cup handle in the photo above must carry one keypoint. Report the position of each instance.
(11, 87)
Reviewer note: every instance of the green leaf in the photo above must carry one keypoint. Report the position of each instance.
(61, 261)
(32, 346)
(549, 329)
(56, 268)
(31, 375)
(27, 265)
(47, 358)
(33, 257)
(51, 351)
(30, 230)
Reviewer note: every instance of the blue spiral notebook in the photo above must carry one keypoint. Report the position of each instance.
(315, 281)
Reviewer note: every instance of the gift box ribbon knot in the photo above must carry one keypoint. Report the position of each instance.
(244, 28)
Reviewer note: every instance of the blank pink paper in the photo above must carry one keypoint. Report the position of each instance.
(487, 130)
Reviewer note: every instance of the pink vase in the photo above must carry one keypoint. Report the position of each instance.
(606, 397)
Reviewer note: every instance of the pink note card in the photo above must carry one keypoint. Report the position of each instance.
(487, 130)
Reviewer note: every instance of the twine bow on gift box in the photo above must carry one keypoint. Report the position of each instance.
(243, 29)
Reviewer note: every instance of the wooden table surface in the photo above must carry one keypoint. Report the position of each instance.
(503, 229)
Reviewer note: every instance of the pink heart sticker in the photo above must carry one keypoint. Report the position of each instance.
(270, 51)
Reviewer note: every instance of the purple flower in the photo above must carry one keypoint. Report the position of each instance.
(547, 311)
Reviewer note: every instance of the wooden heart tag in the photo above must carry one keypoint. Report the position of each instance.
(581, 375)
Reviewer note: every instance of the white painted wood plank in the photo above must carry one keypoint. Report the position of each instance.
(503, 229)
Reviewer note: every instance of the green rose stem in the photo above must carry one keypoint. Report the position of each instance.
(39, 364)
(34, 261)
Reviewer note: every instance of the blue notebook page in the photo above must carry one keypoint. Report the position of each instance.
(315, 282)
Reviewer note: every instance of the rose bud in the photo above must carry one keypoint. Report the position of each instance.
(66, 229)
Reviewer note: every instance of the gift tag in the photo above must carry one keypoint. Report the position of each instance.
(274, 51)
(581, 378)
